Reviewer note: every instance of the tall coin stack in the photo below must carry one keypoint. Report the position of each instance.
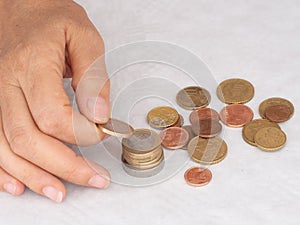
(142, 154)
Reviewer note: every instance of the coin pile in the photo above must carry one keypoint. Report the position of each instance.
(142, 154)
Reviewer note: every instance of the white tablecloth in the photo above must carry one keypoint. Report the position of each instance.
(257, 40)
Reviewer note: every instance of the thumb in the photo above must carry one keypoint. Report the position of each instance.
(90, 81)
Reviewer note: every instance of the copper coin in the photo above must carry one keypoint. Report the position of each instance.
(174, 137)
(207, 128)
(179, 122)
(274, 101)
(236, 115)
(278, 113)
(191, 133)
(204, 114)
(197, 176)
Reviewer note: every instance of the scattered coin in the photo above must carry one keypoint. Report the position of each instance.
(116, 128)
(235, 91)
(207, 151)
(275, 101)
(189, 129)
(236, 115)
(278, 113)
(251, 128)
(162, 117)
(204, 114)
(174, 137)
(197, 176)
(193, 97)
(270, 139)
(207, 128)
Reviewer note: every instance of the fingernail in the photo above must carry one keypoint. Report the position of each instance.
(10, 188)
(98, 109)
(99, 181)
(53, 193)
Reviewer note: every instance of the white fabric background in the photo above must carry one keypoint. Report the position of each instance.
(257, 40)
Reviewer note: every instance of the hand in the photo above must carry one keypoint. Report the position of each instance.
(41, 42)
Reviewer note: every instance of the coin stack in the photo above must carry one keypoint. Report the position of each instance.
(142, 154)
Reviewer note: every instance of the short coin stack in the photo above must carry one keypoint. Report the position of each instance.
(142, 153)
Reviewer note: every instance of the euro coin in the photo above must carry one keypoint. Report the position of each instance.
(235, 91)
(275, 101)
(236, 115)
(207, 151)
(142, 141)
(278, 113)
(116, 128)
(207, 128)
(174, 137)
(162, 117)
(251, 128)
(193, 97)
(204, 114)
(197, 176)
(270, 139)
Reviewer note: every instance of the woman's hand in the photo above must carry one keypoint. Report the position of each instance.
(41, 42)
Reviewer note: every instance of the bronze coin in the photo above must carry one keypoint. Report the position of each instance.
(204, 114)
(274, 101)
(207, 128)
(174, 137)
(162, 117)
(197, 176)
(251, 128)
(270, 139)
(193, 97)
(235, 91)
(207, 151)
(278, 113)
(236, 115)
(191, 133)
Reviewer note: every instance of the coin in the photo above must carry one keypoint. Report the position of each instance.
(207, 128)
(274, 101)
(235, 91)
(174, 137)
(197, 176)
(204, 114)
(143, 173)
(116, 128)
(189, 129)
(142, 141)
(207, 151)
(162, 117)
(179, 122)
(278, 113)
(251, 128)
(236, 115)
(270, 139)
(193, 97)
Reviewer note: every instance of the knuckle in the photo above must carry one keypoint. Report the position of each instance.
(53, 121)
(20, 138)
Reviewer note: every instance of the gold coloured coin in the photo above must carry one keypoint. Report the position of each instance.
(270, 139)
(275, 101)
(116, 128)
(251, 128)
(193, 97)
(162, 117)
(207, 151)
(235, 91)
